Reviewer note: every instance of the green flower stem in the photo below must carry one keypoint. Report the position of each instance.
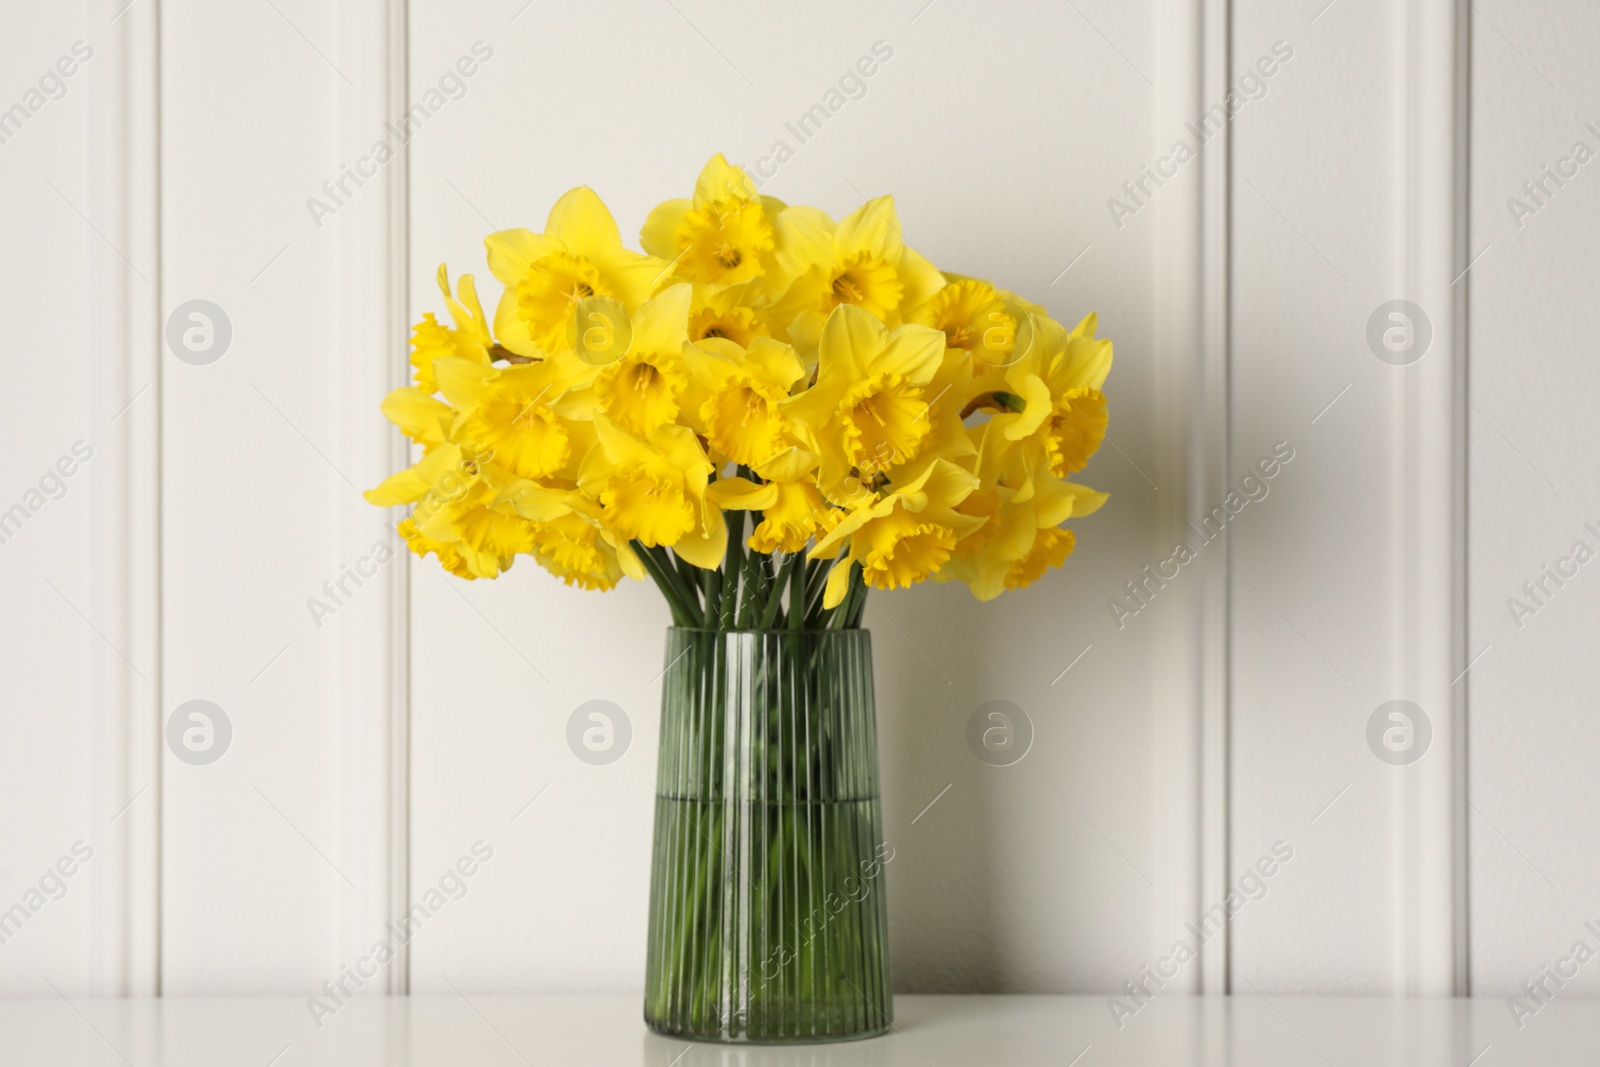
(797, 593)
(732, 569)
(693, 577)
(775, 597)
(858, 602)
(713, 611)
(753, 590)
(816, 579)
(669, 570)
(682, 614)
(845, 615)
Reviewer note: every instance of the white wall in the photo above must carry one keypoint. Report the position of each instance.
(44, 764)
(210, 880)
(1535, 860)
(1315, 617)
(372, 751)
(249, 511)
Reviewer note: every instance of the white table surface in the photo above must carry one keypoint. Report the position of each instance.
(474, 1030)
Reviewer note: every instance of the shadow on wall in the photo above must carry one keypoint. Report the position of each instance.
(937, 810)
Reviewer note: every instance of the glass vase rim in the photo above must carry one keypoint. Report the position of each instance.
(780, 630)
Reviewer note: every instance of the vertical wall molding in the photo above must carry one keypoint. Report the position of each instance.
(374, 672)
(1461, 871)
(125, 510)
(1212, 477)
(1429, 842)
(1191, 735)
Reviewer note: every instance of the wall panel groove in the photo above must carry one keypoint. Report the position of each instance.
(125, 523)
(1191, 754)
(374, 747)
(1430, 862)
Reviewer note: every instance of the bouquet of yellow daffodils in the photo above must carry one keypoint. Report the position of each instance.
(880, 421)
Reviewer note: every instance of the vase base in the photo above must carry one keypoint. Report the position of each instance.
(739, 1039)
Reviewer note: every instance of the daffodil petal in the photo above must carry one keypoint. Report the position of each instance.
(705, 546)
(721, 180)
(873, 227)
(513, 252)
(1037, 406)
(512, 329)
(803, 238)
(741, 494)
(581, 221)
(417, 414)
(790, 465)
(659, 236)
(920, 278)
(838, 584)
(461, 380)
(914, 351)
(629, 561)
(661, 323)
(852, 339)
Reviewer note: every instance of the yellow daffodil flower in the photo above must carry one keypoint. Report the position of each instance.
(861, 261)
(876, 416)
(1058, 384)
(723, 236)
(793, 510)
(512, 411)
(904, 537)
(455, 516)
(742, 416)
(868, 410)
(1021, 538)
(578, 552)
(570, 540)
(546, 276)
(418, 415)
(469, 339)
(973, 318)
(737, 313)
(642, 391)
(653, 490)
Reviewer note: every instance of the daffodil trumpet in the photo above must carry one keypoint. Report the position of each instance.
(765, 411)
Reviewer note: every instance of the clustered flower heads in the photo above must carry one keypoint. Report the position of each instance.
(879, 419)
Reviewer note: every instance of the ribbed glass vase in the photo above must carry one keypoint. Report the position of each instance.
(767, 913)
